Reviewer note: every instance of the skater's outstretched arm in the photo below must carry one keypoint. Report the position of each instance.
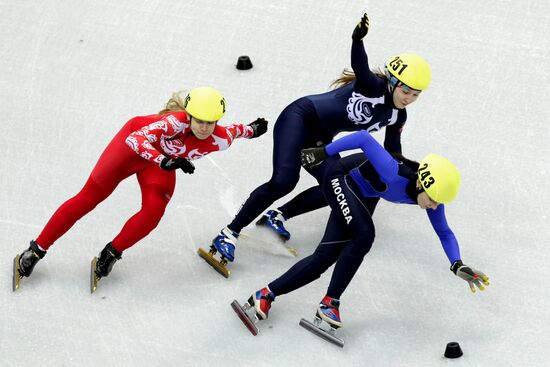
(254, 129)
(444, 232)
(359, 59)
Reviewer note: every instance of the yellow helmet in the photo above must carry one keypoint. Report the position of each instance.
(205, 103)
(409, 69)
(439, 178)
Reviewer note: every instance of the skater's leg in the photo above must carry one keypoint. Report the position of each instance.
(346, 266)
(157, 187)
(312, 198)
(306, 201)
(116, 163)
(310, 268)
(289, 136)
(71, 211)
(348, 263)
(361, 227)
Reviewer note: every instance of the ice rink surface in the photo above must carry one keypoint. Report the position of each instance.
(72, 72)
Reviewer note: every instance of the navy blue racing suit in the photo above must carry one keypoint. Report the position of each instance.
(350, 233)
(364, 104)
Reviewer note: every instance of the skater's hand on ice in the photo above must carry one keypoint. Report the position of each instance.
(361, 29)
(475, 278)
(313, 157)
(170, 164)
(259, 126)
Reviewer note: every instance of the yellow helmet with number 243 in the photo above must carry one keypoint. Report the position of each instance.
(439, 178)
(409, 69)
(205, 103)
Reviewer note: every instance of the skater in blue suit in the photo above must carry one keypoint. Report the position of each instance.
(363, 100)
(350, 232)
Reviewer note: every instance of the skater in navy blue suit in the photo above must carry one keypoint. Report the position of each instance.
(350, 232)
(363, 100)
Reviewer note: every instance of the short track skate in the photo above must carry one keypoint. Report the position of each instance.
(16, 277)
(218, 265)
(247, 315)
(94, 279)
(292, 251)
(316, 328)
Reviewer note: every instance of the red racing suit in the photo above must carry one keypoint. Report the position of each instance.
(138, 148)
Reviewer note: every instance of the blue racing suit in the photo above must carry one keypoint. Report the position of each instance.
(349, 233)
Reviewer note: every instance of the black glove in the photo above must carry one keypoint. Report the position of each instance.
(313, 156)
(361, 29)
(472, 276)
(170, 164)
(259, 126)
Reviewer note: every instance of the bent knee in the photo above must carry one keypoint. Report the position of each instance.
(361, 247)
(283, 183)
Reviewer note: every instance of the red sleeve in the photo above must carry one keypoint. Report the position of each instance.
(141, 141)
(238, 130)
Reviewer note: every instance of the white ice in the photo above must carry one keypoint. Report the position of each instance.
(72, 72)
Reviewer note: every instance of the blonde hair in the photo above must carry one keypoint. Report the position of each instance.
(348, 76)
(174, 104)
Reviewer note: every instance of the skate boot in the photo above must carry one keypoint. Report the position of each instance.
(224, 243)
(261, 301)
(107, 258)
(255, 310)
(29, 258)
(273, 219)
(328, 311)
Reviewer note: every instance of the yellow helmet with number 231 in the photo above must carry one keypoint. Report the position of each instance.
(205, 103)
(439, 178)
(409, 69)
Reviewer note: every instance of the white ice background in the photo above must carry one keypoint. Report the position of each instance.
(71, 74)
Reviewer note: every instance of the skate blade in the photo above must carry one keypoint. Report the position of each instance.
(244, 317)
(327, 335)
(279, 243)
(94, 279)
(216, 264)
(16, 278)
